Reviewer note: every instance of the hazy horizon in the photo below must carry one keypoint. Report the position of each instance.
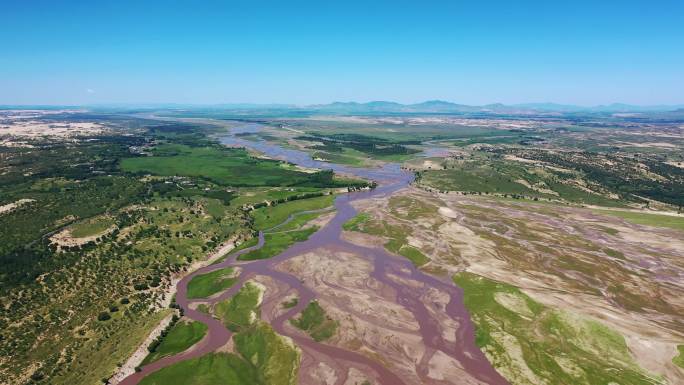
(548, 104)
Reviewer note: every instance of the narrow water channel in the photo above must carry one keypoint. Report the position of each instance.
(390, 179)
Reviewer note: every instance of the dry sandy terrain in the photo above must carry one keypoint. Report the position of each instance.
(37, 129)
(4, 209)
(371, 322)
(64, 238)
(557, 255)
(19, 128)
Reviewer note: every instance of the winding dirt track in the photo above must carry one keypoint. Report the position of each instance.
(390, 179)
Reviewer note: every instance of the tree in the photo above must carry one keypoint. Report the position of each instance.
(103, 316)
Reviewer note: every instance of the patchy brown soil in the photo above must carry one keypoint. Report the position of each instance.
(630, 277)
(372, 322)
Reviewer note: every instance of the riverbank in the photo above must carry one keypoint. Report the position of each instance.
(141, 352)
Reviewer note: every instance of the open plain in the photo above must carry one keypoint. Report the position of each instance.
(341, 249)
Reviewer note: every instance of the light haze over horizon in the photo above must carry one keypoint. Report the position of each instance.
(305, 52)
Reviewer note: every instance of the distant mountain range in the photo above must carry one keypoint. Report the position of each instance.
(380, 107)
(440, 106)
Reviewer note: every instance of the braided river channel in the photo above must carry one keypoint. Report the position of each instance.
(390, 179)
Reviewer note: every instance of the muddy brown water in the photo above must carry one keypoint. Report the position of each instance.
(390, 179)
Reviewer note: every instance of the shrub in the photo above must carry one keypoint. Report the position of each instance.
(140, 286)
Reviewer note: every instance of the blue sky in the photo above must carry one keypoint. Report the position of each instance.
(474, 52)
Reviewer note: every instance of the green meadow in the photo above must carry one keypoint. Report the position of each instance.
(210, 369)
(647, 219)
(181, 336)
(277, 243)
(270, 216)
(531, 343)
(206, 285)
(315, 322)
(241, 310)
(224, 166)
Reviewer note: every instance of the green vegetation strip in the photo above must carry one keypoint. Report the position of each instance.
(91, 227)
(263, 357)
(316, 322)
(270, 216)
(411, 253)
(210, 369)
(240, 311)
(299, 221)
(256, 195)
(181, 337)
(397, 235)
(647, 219)
(490, 176)
(225, 166)
(355, 223)
(206, 285)
(275, 243)
(679, 359)
(275, 358)
(530, 343)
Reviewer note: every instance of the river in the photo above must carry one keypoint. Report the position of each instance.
(390, 179)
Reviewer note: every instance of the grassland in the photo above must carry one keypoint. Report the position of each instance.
(275, 358)
(270, 216)
(224, 166)
(49, 327)
(355, 223)
(530, 343)
(315, 322)
(277, 243)
(210, 369)
(264, 357)
(647, 219)
(679, 358)
(76, 312)
(206, 285)
(181, 336)
(414, 255)
(91, 227)
(486, 174)
(240, 311)
(299, 221)
(397, 242)
(96, 358)
(346, 156)
(503, 137)
(251, 195)
(392, 133)
(356, 148)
